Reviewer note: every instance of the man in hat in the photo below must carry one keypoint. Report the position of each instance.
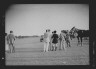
(10, 40)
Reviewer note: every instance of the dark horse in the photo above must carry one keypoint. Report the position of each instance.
(79, 34)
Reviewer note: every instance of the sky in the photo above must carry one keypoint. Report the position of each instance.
(34, 19)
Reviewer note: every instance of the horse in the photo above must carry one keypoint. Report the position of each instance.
(79, 34)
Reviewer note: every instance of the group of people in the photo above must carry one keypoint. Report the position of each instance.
(9, 42)
(51, 41)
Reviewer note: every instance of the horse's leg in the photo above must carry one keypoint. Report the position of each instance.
(81, 40)
(54, 47)
(78, 41)
(69, 41)
(60, 45)
(70, 37)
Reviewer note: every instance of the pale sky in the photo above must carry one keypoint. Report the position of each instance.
(34, 19)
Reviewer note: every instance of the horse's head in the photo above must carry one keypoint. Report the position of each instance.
(64, 31)
(74, 31)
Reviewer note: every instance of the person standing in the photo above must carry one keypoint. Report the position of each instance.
(68, 39)
(10, 40)
(51, 45)
(55, 40)
(46, 40)
(62, 41)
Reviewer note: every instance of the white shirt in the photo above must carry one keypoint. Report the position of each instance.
(48, 38)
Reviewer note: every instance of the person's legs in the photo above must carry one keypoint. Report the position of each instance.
(12, 45)
(55, 46)
(8, 42)
(13, 48)
(63, 45)
(47, 46)
(44, 46)
(52, 47)
(69, 43)
(10, 48)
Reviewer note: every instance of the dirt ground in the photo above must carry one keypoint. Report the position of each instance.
(29, 51)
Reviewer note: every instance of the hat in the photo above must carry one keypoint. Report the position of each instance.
(11, 31)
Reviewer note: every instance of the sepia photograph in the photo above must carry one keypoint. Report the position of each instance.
(47, 34)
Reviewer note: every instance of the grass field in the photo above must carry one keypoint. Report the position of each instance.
(29, 51)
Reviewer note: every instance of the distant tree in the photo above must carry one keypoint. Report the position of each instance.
(19, 36)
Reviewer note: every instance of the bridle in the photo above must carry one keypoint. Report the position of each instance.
(73, 30)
